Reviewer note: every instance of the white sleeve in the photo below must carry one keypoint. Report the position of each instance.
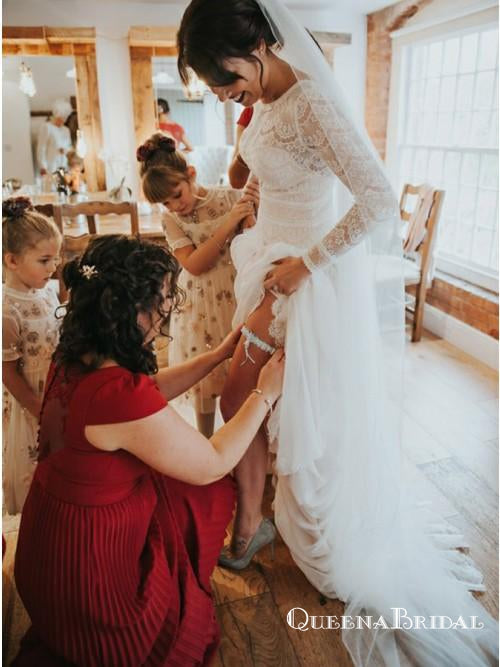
(176, 237)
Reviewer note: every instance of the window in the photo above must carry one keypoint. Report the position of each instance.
(447, 136)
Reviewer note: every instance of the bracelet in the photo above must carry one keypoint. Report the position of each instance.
(267, 401)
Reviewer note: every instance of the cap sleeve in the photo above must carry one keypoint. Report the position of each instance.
(125, 398)
(176, 237)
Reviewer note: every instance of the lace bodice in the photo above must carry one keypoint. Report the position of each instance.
(294, 146)
(30, 327)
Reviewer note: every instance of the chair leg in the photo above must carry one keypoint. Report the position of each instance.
(418, 318)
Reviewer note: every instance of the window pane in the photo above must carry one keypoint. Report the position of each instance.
(461, 129)
(480, 133)
(463, 241)
(405, 164)
(434, 58)
(451, 168)
(444, 132)
(431, 95)
(468, 53)
(482, 247)
(435, 167)
(486, 208)
(420, 168)
(429, 128)
(412, 128)
(447, 93)
(489, 171)
(488, 49)
(450, 203)
(418, 61)
(451, 52)
(465, 92)
(470, 169)
(466, 205)
(485, 83)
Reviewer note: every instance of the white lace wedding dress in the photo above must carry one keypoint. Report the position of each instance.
(339, 504)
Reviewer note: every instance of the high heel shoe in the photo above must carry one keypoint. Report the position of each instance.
(265, 534)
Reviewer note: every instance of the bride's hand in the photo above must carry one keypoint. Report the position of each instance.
(287, 275)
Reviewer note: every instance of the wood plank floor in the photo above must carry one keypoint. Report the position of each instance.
(451, 439)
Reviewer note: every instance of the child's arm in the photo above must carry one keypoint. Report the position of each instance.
(199, 259)
(19, 388)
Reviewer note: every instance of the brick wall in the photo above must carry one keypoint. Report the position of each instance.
(378, 66)
(474, 307)
(478, 309)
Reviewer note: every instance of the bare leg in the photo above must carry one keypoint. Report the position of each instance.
(205, 423)
(250, 473)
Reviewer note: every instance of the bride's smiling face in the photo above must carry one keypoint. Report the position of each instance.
(248, 87)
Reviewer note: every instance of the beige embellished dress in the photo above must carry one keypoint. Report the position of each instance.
(207, 313)
(29, 336)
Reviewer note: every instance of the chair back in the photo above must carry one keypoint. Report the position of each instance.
(72, 247)
(90, 209)
(422, 221)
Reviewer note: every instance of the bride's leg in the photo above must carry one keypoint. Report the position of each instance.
(250, 473)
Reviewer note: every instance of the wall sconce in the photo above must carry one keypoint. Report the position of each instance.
(26, 81)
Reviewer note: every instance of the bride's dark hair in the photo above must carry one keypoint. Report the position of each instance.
(116, 278)
(212, 31)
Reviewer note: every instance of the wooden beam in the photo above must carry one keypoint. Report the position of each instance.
(46, 34)
(141, 69)
(33, 49)
(335, 38)
(89, 119)
(153, 36)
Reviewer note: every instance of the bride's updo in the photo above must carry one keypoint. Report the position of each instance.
(212, 31)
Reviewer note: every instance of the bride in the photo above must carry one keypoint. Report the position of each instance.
(309, 278)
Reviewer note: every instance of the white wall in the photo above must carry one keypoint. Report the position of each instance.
(112, 21)
(17, 159)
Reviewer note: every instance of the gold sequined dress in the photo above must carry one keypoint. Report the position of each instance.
(207, 313)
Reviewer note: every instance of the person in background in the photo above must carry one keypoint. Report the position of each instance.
(72, 121)
(31, 245)
(238, 169)
(54, 139)
(166, 124)
(74, 176)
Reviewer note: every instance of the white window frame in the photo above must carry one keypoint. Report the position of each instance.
(444, 27)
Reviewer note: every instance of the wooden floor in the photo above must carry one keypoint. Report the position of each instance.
(451, 438)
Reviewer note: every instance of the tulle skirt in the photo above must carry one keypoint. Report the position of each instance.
(341, 505)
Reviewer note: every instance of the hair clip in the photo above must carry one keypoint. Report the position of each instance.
(88, 271)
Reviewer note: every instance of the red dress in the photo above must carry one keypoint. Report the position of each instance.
(113, 559)
(176, 130)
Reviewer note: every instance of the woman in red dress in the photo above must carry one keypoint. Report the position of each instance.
(127, 511)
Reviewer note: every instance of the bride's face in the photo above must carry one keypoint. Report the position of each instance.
(248, 88)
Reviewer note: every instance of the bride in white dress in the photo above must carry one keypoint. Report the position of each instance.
(309, 278)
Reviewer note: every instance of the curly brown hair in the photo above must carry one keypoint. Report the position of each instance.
(116, 278)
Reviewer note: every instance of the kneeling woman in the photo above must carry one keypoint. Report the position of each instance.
(126, 514)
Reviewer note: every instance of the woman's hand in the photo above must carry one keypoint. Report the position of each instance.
(287, 276)
(251, 193)
(240, 210)
(271, 375)
(226, 349)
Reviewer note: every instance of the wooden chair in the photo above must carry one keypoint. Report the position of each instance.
(90, 209)
(45, 209)
(72, 247)
(419, 262)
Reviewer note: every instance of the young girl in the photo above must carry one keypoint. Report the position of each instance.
(31, 244)
(199, 225)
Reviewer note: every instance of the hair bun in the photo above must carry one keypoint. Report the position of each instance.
(167, 144)
(15, 207)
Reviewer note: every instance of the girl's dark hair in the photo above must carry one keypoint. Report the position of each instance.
(163, 105)
(213, 30)
(163, 167)
(23, 227)
(116, 278)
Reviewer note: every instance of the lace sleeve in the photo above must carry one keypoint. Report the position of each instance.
(338, 146)
(12, 345)
(176, 237)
